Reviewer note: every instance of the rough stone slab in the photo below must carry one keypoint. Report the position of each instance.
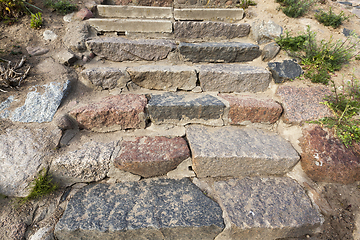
(121, 49)
(285, 70)
(266, 208)
(264, 32)
(219, 52)
(324, 158)
(270, 51)
(206, 30)
(4, 112)
(233, 78)
(87, 164)
(152, 209)
(212, 14)
(41, 107)
(131, 25)
(186, 108)
(164, 77)
(107, 77)
(303, 103)
(75, 36)
(111, 11)
(112, 113)
(23, 153)
(249, 109)
(237, 152)
(151, 156)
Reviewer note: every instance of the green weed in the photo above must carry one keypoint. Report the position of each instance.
(61, 6)
(36, 20)
(295, 8)
(246, 3)
(330, 18)
(10, 10)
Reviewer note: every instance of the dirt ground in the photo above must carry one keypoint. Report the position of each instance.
(343, 199)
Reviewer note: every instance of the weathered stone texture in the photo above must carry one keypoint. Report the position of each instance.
(270, 51)
(326, 159)
(246, 108)
(87, 164)
(185, 108)
(233, 78)
(212, 14)
(264, 32)
(121, 49)
(113, 113)
(23, 153)
(303, 103)
(285, 70)
(75, 36)
(151, 156)
(107, 77)
(219, 52)
(206, 30)
(151, 209)
(162, 77)
(266, 208)
(237, 152)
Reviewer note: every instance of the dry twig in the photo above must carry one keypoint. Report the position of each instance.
(9, 78)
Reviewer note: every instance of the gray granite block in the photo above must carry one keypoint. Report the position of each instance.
(150, 209)
(237, 152)
(186, 108)
(266, 208)
(107, 77)
(285, 70)
(233, 78)
(219, 52)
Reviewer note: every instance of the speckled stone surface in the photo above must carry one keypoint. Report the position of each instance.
(219, 52)
(186, 108)
(151, 209)
(246, 108)
(326, 159)
(193, 29)
(233, 78)
(237, 152)
(151, 156)
(112, 113)
(266, 208)
(303, 103)
(121, 49)
(285, 70)
(164, 77)
(107, 77)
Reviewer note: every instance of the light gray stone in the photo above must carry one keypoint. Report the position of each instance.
(219, 52)
(75, 36)
(36, 51)
(4, 112)
(152, 209)
(186, 108)
(118, 11)
(238, 152)
(233, 78)
(23, 153)
(107, 77)
(45, 233)
(66, 58)
(90, 162)
(206, 30)
(164, 77)
(41, 107)
(49, 35)
(264, 32)
(229, 14)
(270, 51)
(265, 208)
(121, 49)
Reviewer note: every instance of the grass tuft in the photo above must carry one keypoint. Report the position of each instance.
(330, 18)
(295, 8)
(61, 6)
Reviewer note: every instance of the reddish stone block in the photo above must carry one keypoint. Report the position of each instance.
(303, 103)
(326, 159)
(152, 156)
(246, 108)
(113, 113)
(84, 14)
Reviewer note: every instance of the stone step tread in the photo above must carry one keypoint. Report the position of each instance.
(229, 14)
(117, 11)
(237, 151)
(151, 209)
(131, 25)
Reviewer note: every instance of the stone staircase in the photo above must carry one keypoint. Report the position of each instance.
(186, 111)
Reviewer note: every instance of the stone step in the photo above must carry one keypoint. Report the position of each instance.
(131, 25)
(219, 52)
(117, 11)
(225, 14)
(119, 49)
(265, 208)
(237, 152)
(184, 108)
(149, 209)
(209, 30)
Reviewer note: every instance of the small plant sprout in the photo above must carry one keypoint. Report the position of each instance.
(61, 6)
(36, 20)
(330, 18)
(295, 8)
(246, 3)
